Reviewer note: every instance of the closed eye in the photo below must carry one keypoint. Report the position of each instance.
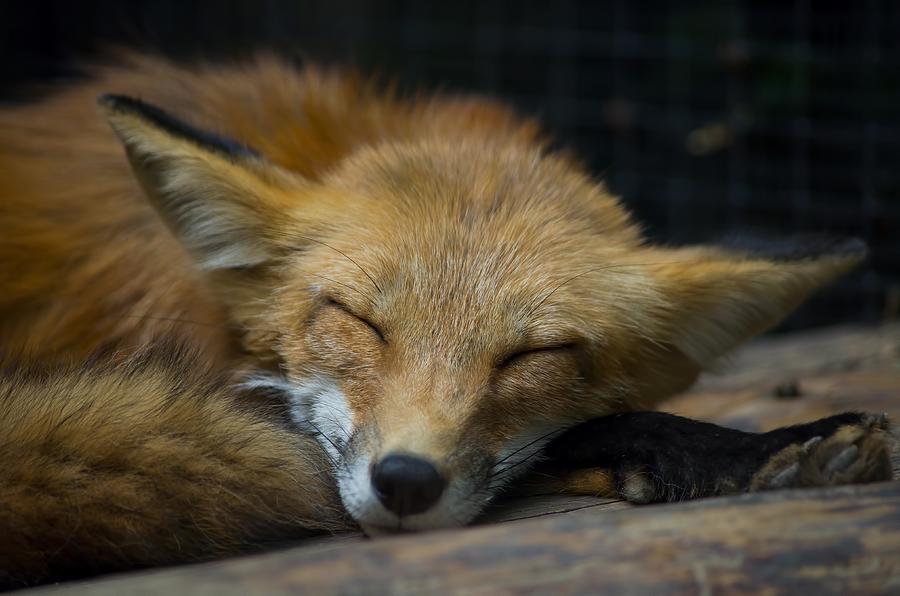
(367, 322)
(516, 357)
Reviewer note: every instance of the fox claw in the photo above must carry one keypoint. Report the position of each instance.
(810, 444)
(854, 453)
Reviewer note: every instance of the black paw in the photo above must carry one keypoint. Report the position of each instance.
(652, 456)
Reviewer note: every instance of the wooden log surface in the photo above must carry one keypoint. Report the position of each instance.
(770, 361)
(825, 541)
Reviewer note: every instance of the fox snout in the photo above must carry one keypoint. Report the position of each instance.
(413, 485)
(406, 484)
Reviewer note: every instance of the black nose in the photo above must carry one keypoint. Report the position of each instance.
(406, 484)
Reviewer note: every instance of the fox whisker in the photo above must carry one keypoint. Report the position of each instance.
(504, 472)
(346, 256)
(340, 283)
(327, 438)
(526, 446)
(334, 419)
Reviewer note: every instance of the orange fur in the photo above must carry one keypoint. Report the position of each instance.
(444, 224)
(147, 462)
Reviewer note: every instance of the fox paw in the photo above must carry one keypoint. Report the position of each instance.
(854, 453)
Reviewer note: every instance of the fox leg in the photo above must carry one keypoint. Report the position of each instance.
(646, 457)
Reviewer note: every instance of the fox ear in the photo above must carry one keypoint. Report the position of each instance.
(217, 195)
(716, 298)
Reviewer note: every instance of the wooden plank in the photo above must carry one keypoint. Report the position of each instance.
(771, 361)
(837, 540)
(830, 370)
(756, 408)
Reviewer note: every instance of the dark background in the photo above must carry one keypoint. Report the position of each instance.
(708, 117)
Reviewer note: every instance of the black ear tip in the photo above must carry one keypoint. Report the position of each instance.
(149, 113)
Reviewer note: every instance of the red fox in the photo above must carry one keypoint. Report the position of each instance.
(379, 311)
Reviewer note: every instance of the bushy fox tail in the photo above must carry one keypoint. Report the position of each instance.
(106, 467)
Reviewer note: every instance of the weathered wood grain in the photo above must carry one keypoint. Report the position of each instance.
(756, 408)
(838, 540)
(772, 361)
(830, 370)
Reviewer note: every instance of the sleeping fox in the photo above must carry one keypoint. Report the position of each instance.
(244, 303)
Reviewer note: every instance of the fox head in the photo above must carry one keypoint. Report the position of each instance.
(436, 310)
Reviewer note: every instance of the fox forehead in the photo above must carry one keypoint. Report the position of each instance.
(465, 182)
(457, 234)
